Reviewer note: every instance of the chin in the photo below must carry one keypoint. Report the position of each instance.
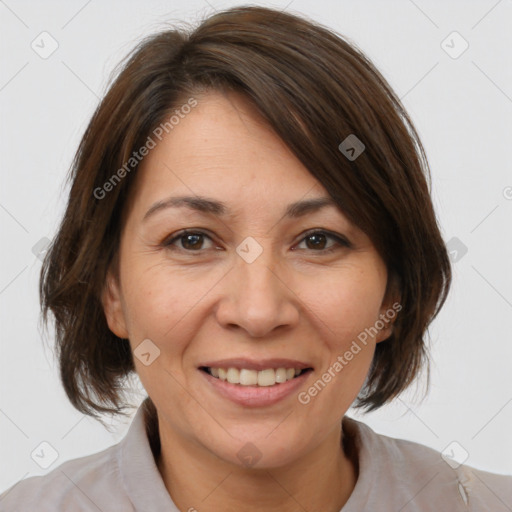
(264, 448)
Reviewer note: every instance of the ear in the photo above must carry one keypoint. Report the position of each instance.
(112, 306)
(390, 308)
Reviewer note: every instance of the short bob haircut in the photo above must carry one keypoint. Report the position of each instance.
(314, 89)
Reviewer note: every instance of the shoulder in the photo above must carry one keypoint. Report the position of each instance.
(421, 478)
(82, 484)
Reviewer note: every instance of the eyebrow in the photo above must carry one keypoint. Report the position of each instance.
(212, 206)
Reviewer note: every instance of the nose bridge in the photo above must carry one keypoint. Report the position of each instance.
(259, 275)
(257, 299)
(257, 283)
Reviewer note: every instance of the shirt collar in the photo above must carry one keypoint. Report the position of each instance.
(139, 474)
(144, 485)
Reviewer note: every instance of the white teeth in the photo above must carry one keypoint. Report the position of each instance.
(245, 377)
(281, 375)
(248, 377)
(233, 375)
(267, 377)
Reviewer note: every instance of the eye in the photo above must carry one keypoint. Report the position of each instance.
(317, 241)
(191, 241)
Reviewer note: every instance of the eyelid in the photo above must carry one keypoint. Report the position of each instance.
(341, 240)
(169, 241)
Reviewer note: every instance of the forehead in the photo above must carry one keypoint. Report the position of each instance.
(224, 148)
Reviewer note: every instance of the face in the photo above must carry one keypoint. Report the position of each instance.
(265, 292)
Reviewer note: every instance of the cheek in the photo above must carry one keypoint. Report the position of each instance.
(344, 311)
(162, 300)
(345, 303)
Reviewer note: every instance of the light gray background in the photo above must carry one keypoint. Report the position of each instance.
(462, 109)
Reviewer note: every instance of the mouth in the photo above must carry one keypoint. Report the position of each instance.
(257, 378)
(254, 383)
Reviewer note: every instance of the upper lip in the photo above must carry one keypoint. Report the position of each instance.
(256, 364)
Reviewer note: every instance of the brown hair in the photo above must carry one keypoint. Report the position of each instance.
(314, 89)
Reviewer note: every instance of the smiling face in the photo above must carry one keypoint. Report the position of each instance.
(254, 286)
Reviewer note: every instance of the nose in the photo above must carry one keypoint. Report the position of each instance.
(257, 299)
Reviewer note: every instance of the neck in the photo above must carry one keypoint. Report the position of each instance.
(196, 479)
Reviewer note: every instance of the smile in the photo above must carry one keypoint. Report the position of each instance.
(254, 383)
(249, 377)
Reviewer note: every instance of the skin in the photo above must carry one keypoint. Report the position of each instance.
(200, 301)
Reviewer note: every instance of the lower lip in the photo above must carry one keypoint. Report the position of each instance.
(255, 396)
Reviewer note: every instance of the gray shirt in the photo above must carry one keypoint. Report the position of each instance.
(394, 475)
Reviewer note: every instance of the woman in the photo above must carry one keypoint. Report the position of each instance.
(250, 230)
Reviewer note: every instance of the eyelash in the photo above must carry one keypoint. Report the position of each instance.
(341, 242)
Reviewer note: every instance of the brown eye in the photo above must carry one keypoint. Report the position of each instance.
(317, 241)
(191, 241)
